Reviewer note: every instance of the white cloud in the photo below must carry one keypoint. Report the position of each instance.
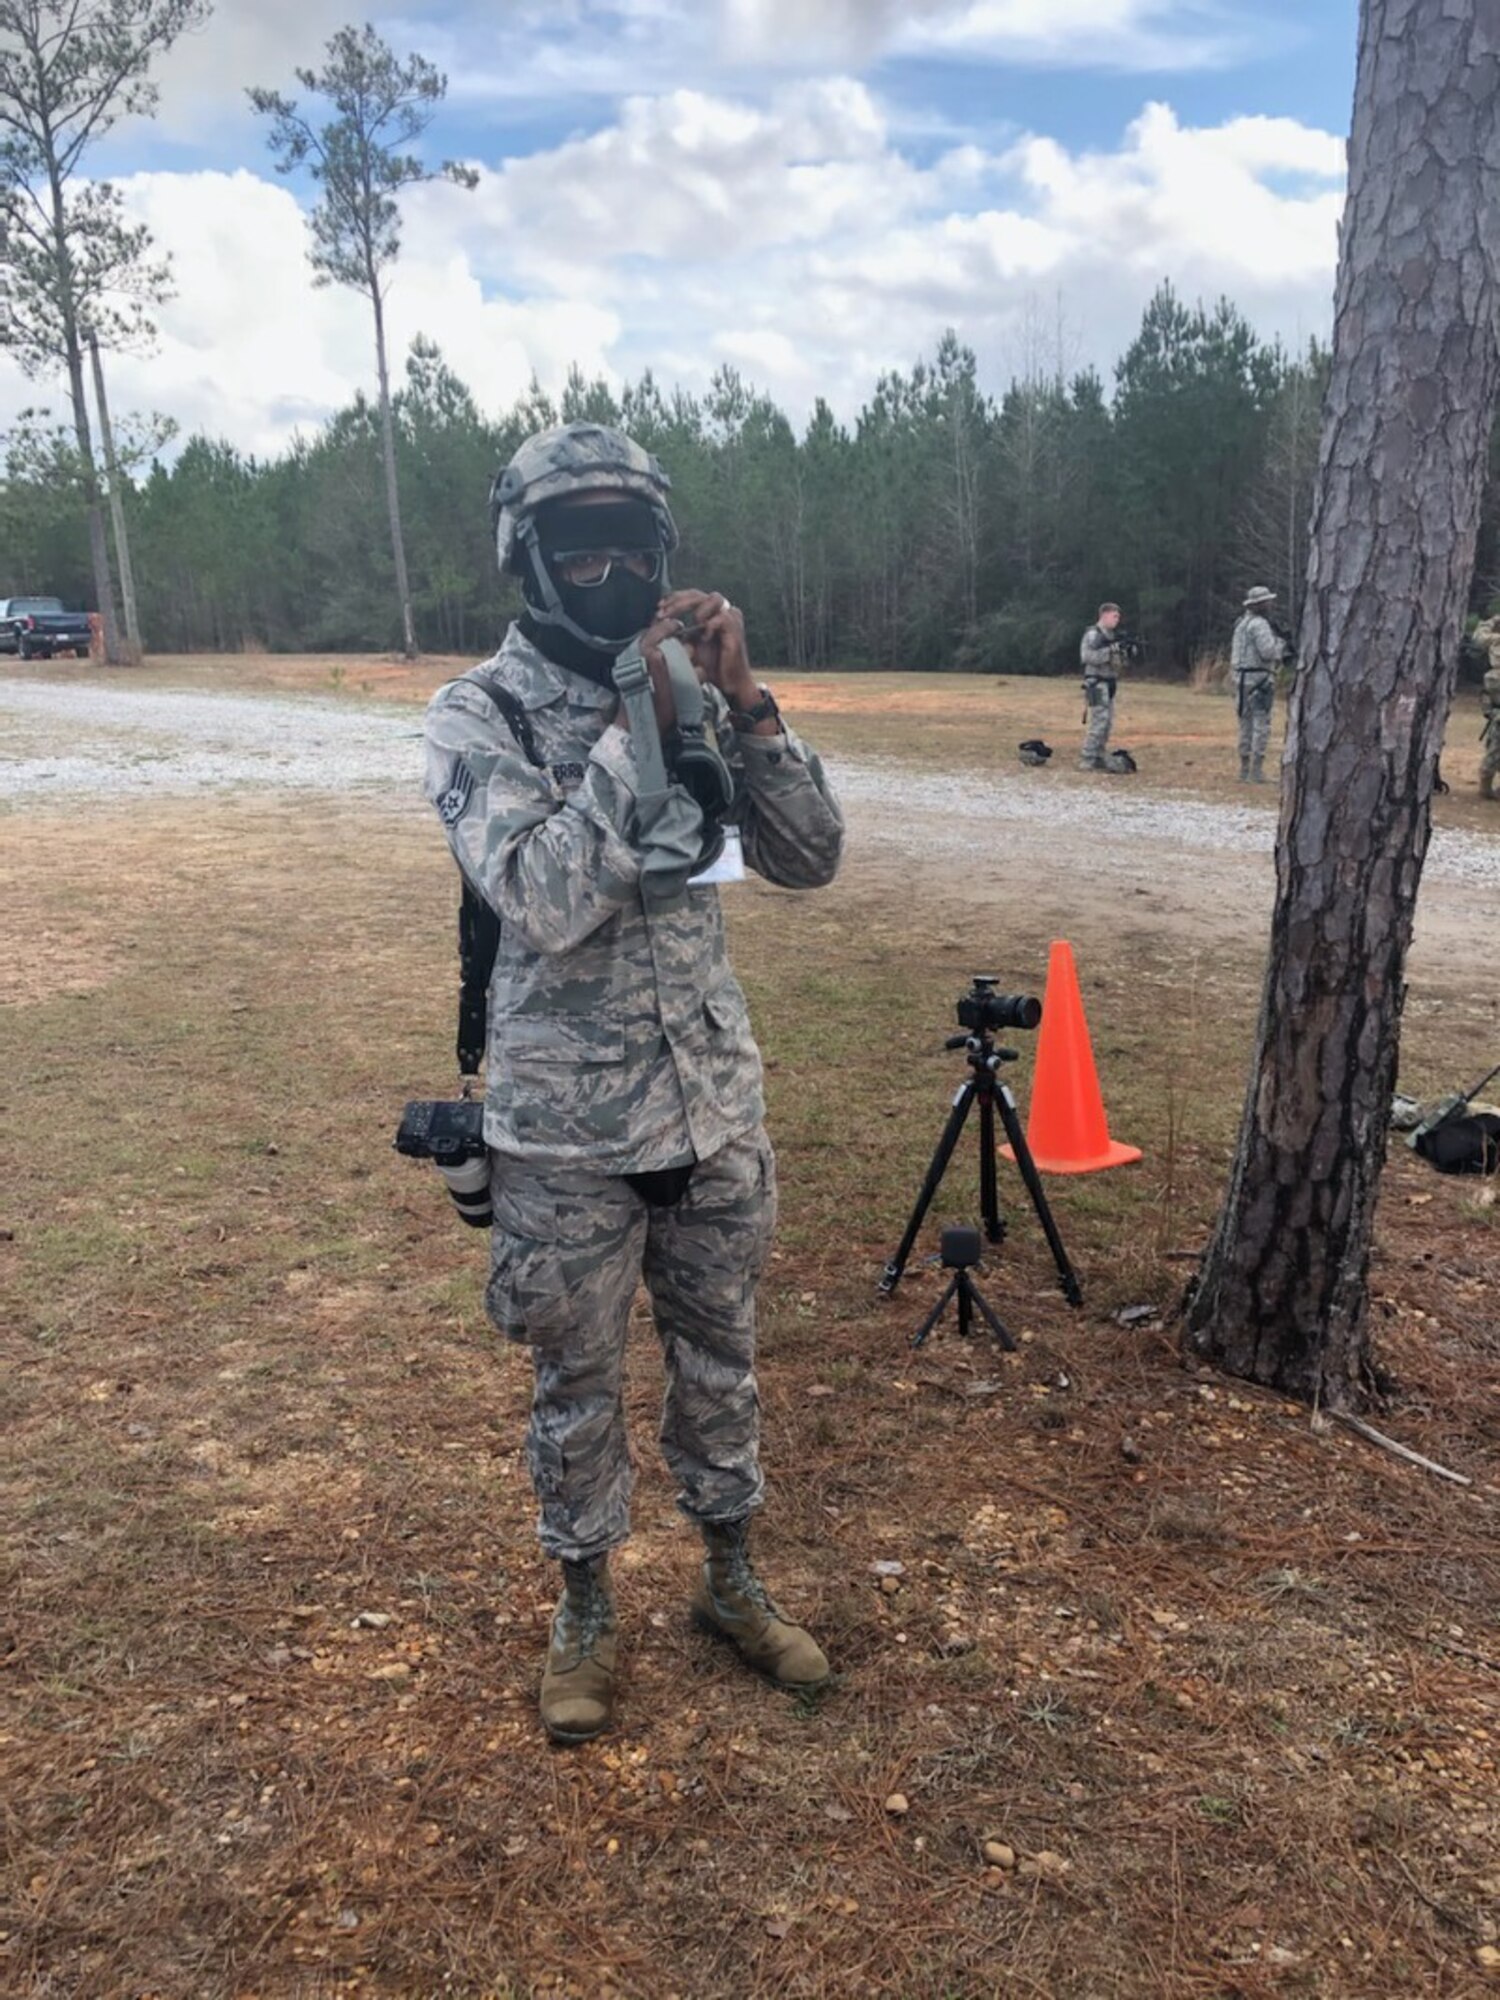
(792, 238)
(1127, 34)
(204, 76)
(250, 350)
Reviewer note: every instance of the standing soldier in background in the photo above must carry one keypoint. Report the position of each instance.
(1256, 651)
(623, 1109)
(1101, 655)
(1488, 636)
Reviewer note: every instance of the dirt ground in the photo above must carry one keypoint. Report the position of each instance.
(1147, 1684)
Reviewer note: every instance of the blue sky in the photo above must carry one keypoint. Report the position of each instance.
(808, 190)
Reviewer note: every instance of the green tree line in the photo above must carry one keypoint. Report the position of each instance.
(942, 528)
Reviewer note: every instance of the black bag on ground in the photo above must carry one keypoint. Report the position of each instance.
(1467, 1145)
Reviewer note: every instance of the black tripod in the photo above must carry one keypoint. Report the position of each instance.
(984, 1059)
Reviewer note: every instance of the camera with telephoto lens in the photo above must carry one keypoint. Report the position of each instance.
(450, 1133)
(983, 1011)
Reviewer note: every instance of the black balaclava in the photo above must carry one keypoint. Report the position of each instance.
(586, 628)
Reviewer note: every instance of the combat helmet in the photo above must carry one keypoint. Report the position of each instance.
(573, 458)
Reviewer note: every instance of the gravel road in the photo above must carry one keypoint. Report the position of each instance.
(68, 741)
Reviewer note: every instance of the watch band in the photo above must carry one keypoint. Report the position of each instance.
(765, 710)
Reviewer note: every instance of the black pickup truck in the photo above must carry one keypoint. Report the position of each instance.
(38, 628)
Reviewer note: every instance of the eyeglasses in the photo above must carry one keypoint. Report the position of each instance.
(586, 569)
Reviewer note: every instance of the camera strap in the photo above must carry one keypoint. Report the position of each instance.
(683, 833)
(478, 925)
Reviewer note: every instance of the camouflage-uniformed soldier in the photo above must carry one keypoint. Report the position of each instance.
(1256, 651)
(1101, 656)
(1488, 636)
(624, 1107)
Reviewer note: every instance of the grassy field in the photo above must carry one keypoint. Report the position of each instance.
(1184, 1694)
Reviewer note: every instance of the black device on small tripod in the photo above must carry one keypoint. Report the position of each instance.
(959, 1249)
(981, 1012)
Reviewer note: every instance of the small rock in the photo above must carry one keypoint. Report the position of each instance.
(898, 1805)
(371, 1621)
(821, 1389)
(396, 1671)
(887, 1568)
(1051, 1864)
(890, 1585)
(1488, 1956)
(346, 1920)
(999, 1854)
(1130, 1451)
(953, 1645)
(841, 1815)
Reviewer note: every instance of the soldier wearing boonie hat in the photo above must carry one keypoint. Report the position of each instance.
(1256, 651)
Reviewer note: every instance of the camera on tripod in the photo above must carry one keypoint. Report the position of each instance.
(983, 1011)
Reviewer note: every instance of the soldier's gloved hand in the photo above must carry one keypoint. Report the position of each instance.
(716, 640)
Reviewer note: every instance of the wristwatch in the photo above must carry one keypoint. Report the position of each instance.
(765, 710)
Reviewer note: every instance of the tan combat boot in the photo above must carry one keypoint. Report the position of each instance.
(578, 1682)
(1486, 784)
(731, 1600)
(1244, 770)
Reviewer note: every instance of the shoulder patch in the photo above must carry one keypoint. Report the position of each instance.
(453, 801)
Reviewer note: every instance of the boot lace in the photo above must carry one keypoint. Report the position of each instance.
(740, 1575)
(588, 1604)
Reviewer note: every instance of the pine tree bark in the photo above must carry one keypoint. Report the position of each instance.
(1282, 1297)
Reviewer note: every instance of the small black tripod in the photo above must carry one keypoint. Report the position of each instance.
(985, 1060)
(960, 1251)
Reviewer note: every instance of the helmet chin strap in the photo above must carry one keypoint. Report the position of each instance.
(552, 612)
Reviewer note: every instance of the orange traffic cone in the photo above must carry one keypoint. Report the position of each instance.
(1067, 1130)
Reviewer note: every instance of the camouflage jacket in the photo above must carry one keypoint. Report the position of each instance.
(1099, 655)
(1491, 695)
(1255, 648)
(618, 1037)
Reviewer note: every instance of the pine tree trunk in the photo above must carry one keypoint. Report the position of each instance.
(1282, 1295)
(117, 510)
(104, 585)
(104, 588)
(392, 495)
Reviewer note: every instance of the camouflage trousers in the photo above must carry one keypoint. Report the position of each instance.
(1489, 758)
(1256, 696)
(1099, 715)
(568, 1250)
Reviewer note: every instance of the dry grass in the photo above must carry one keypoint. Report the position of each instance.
(1234, 1678)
